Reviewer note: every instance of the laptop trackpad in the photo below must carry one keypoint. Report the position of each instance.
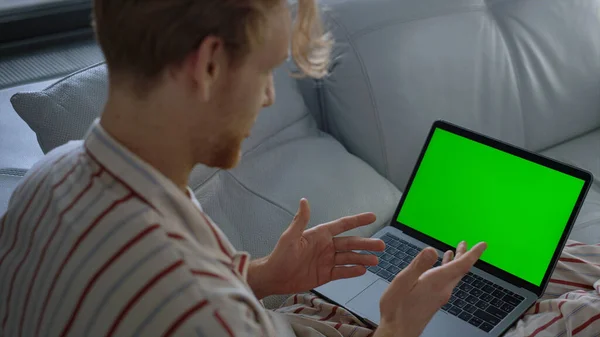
(366, 304)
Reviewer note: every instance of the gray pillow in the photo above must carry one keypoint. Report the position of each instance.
(65, 110)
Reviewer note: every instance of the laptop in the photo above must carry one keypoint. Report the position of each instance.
(466, 186)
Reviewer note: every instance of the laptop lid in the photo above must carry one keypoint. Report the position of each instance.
(466, 186)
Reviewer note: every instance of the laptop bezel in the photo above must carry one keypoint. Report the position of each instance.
(536, 158)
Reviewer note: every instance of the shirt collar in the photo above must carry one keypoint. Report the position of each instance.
(151, 185)
(126, 166)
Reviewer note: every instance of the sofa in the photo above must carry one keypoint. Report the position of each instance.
(523, 71)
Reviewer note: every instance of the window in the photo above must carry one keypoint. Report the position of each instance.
(15, 4)
(30, 23)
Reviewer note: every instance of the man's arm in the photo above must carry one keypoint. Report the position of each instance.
(257, 278)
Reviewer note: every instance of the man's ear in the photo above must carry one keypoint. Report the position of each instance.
(208, 63)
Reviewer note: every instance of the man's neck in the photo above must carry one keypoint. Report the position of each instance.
(147, 131)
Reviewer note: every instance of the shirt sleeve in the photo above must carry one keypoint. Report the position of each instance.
(158, 289)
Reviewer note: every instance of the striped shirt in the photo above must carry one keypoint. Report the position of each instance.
(96, 242)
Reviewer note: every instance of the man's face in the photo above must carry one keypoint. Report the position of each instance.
(246, 89)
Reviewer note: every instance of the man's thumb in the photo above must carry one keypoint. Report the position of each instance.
(301, 219)
(422, 263)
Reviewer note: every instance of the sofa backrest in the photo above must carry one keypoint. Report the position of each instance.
(524, 71)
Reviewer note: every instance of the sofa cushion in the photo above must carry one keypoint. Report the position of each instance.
(9, 179)
(255, 202)
(584, 152)
(527, 72)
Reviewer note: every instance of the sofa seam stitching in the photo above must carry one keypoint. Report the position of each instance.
(388, 23)
(466, 9)
(252, 150)
(366, 77)
(511, 60)
(257, 194)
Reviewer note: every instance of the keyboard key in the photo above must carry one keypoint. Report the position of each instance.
(468, 279)
(459, 303)
(488, 289)
(487, 297)
(446, 306)
(470, 308)
(452, 299)
(475, 321)
(384, 274)
(511, 300)
(482, 305)
(466, 287)
(403, 265)
(487, 327)
(496, 312)
(377, 253)
(374, 269)
(387, 238)
(393, 269)
(472, 300)
(477, 277)
(412, 252)
(487, 282)
(461, 294)
(395, 244)
(437, 263)
(403, 248)
(391, 278)
(391, 250)
(519, 297)
(387, 257)
(395, 261)
(486, 317)
(476, 292)
(478, 284)
(465, 316)
(384, 264)
(400, 255)
(498, 293)
(507, 307)
(497, 303)
(454, 311)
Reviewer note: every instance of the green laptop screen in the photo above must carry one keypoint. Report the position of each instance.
(464, 190)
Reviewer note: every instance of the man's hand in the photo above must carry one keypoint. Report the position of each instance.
(419, 291)
(305, 259)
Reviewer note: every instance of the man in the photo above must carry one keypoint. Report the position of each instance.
(103, 238)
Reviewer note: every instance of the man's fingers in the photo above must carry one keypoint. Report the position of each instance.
(461, 249)
(409, 276)
(345, 224)
(448, 256)
(347, 243)
(352, 258)
(347, 272)
(301, 219)
(460, 266)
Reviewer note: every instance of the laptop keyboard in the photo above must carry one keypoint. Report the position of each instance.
(475, 300)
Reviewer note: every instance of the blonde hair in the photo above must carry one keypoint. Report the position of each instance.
(311, 45)
(140, 39)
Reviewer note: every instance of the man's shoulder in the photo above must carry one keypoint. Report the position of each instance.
(68, 177)
(50, 163)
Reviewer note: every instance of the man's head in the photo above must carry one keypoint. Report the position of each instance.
(213, 59)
